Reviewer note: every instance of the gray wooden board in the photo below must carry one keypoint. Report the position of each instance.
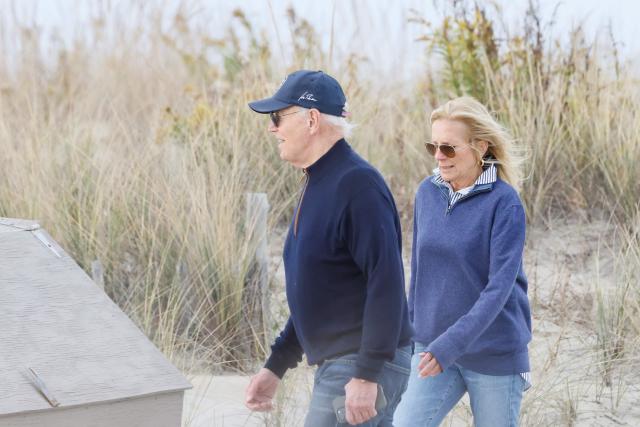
(163, 410)
(54, 319)
(14, 224)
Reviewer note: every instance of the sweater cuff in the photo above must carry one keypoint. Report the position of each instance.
(444, 352)
(278, 364)
(368, 369)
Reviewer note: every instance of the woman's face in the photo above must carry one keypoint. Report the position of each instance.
(463, 169)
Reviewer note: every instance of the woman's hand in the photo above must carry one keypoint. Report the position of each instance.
(428, 366)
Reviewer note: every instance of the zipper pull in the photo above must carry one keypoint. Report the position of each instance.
(305, 174)
(304, 189)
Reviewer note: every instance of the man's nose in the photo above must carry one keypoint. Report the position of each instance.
(271, 127)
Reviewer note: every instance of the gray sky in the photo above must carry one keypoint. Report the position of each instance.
(377, 29)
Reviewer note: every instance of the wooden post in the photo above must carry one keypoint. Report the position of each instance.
(186, 292)
(256, 226)
(97, 273)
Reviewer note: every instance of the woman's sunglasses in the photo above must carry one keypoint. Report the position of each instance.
(276, 116)
(446, 149)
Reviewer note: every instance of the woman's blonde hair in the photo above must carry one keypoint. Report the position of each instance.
(483, 127)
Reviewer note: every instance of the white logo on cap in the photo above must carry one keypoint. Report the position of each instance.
(307, 96)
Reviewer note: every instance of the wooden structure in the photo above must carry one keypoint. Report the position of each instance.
(68, 355)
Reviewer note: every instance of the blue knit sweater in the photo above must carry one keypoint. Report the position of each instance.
(343, 268)
(468, 291)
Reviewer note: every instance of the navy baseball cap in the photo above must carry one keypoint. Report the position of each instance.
(307, 89)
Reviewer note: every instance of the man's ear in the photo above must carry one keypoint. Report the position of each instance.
(313, 121)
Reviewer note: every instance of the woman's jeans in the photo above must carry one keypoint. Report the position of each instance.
(334, 374)
(495, 400)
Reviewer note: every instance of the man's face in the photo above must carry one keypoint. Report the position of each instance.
(292, 133)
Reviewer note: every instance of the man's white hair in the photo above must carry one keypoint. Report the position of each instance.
(338, 123)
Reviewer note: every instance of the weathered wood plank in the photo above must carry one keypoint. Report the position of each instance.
(162, 410)
(13, 224)
(257, 211)
(53, 319)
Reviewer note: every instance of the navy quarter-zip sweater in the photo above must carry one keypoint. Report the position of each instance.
(468, 291)
(343, 268)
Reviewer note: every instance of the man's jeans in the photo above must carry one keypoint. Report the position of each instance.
(334, 374)
(495, 400)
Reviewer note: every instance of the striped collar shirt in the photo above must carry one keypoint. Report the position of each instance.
(488, 176)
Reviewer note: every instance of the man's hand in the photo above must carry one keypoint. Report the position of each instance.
(261, 389)
(360, 401)
(428, 366)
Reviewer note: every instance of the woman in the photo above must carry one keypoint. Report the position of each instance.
(468, 293)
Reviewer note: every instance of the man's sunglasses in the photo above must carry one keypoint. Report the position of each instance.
(446, 149)
(275, 116)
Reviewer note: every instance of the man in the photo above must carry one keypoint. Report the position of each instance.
(343, 264)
